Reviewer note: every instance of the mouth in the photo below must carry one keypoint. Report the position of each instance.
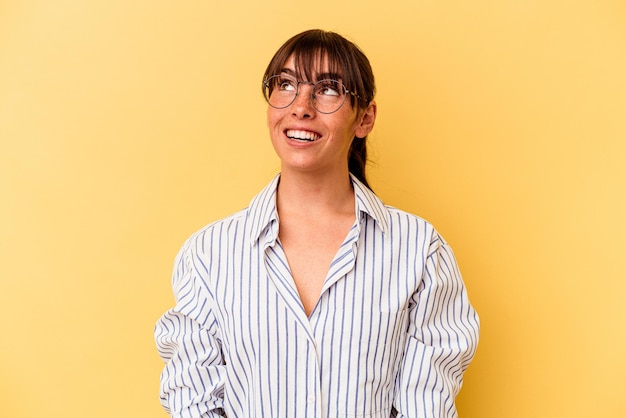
(305, 136)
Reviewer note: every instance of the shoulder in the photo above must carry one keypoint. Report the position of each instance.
(408, 226)
(240, 228)
(219, 231)
(400, 220)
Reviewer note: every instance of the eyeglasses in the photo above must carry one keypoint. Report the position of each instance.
(327, 96)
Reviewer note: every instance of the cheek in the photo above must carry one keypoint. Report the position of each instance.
(273, 118)
(273, 126)
(351, 119)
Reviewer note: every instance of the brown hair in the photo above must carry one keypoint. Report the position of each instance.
(309, 50)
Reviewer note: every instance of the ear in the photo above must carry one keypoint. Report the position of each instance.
(366, 121)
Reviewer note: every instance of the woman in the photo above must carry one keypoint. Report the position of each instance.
(317, 300)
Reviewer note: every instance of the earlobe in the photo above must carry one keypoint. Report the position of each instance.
(366, 121)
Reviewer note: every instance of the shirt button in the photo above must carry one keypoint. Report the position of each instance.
(311, 399)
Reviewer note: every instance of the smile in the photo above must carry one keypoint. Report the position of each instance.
(302, 135)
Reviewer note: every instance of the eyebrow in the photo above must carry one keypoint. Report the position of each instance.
(329, 76)
(289, 71)
(320, 76)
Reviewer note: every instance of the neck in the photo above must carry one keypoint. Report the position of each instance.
(311, 195)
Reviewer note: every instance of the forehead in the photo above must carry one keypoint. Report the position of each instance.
(311, 67)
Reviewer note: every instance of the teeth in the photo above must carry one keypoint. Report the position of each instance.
(302, 135)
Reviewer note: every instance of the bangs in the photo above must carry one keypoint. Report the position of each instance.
(317, 64)
(318, 55)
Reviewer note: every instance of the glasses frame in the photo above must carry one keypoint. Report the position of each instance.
(266, 86)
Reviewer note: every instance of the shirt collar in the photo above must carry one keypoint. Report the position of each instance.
(367, 203)
(263, 215)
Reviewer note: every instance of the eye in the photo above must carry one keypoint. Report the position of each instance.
(286, 84)
(328, 88)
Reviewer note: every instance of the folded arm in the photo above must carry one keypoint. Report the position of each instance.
(443, 336)
(188, 340)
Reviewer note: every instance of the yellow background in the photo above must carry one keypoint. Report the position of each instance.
(127, 125)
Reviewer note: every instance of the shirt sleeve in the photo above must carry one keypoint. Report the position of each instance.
(188, 340)
(443, 336)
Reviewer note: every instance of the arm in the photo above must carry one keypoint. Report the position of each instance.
(442, 340)
(188, 340)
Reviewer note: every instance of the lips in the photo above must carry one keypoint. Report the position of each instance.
(300, 135)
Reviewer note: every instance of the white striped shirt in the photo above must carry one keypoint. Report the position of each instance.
(391, 335)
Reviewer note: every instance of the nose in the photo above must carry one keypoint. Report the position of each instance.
(303, 103)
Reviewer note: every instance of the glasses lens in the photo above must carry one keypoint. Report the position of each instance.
(280, 91)
(329, 95)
